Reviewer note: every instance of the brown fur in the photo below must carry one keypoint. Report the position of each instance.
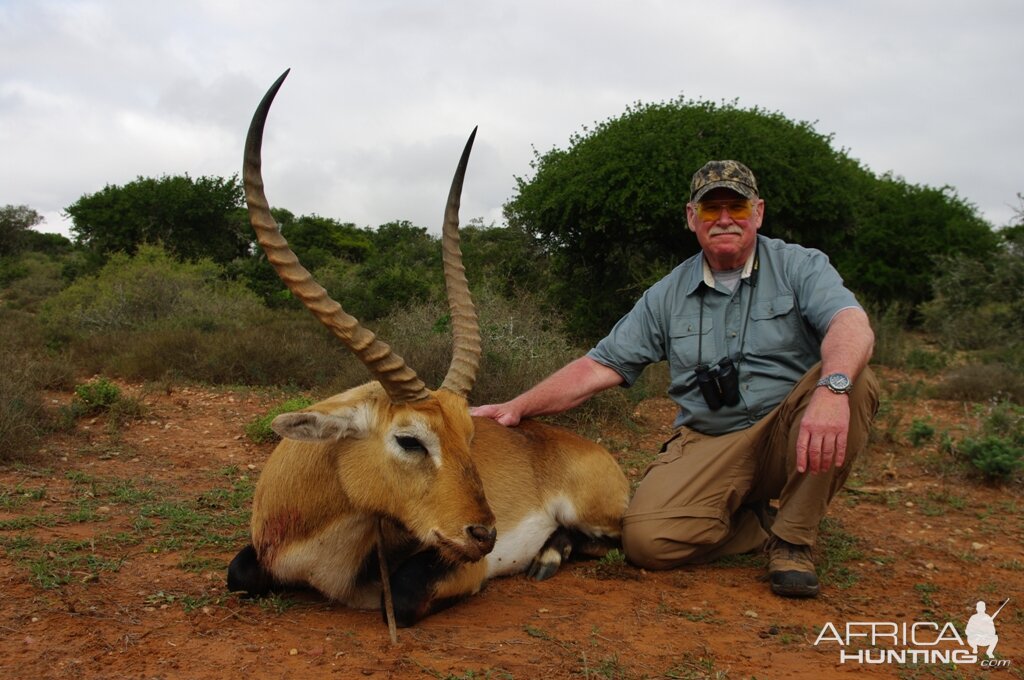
(316, 501)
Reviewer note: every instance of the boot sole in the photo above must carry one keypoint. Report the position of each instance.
(801, 591)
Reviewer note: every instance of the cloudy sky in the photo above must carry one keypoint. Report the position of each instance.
(383, 93)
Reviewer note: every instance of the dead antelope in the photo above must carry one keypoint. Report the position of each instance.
(462, 498)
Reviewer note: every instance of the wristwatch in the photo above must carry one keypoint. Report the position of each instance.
(839, 383)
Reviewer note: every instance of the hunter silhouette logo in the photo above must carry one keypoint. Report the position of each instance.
(981, 629)
(884, 642)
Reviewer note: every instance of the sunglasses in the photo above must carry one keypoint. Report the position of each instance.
(711, 210)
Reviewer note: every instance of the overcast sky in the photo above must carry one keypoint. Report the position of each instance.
(382, 94)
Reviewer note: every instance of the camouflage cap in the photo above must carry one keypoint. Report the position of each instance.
(728, 174)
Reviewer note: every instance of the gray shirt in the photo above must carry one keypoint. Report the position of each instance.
(792, 295)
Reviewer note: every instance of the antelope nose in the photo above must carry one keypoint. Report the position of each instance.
(483, 536)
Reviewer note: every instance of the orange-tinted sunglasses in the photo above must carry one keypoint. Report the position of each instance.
(738, 210)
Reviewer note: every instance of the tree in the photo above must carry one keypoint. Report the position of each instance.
(902, 233)
(611, 208)
(319, 243)
(16, 221)
(507, 260)
(192, 218)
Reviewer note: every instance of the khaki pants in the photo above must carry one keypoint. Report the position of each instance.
(698, 500)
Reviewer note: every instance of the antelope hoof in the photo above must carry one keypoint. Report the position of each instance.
(556, 550)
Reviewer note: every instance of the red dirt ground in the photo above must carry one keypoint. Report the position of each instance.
(928, 542)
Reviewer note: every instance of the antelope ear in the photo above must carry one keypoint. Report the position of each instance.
(313, 426)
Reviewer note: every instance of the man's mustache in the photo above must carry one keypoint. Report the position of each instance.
(731, 229)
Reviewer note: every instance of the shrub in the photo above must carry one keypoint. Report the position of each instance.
(100, 396)
(30, 279)
(982, 382)
(919, 359)
(96, 396)
(979, 302)
(149, 317)
(889, 325)
(920, 432)
(258, 430)
(25, 369)
(521, 345)
(997, 458)
(997, 449)
(145, 292)
(22, 417)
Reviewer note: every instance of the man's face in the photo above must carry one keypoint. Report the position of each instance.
(726, 235)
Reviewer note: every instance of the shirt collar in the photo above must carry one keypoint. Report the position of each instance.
(708, 277)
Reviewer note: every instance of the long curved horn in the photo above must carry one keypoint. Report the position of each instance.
(398, 379)
(465, 328)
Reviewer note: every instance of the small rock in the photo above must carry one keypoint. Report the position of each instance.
(750, 614)
(978, 546)
(929, 566)
(293, 651)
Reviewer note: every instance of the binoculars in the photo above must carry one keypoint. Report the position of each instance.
(719, 384)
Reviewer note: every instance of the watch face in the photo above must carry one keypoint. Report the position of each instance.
(839, 382)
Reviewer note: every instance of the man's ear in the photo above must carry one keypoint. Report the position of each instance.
(691, 217)
(759, 209)
(313, 426)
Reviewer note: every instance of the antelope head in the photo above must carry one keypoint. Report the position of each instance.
(397, 449)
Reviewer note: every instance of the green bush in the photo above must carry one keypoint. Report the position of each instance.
(919, 359)
(22, 417)
(997, 458)
(997, 449)
(149, 317)
(101, 396)
(920, 432)
(96, 396)
(521, 345)
(145, 292)
(258, 430)
(982, 382)
(889, 325)
(30, 279)
(26, 368)
(979, 302)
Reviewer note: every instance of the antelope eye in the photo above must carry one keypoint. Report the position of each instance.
(411, 444)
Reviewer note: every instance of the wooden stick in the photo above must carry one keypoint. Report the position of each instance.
(385, 580)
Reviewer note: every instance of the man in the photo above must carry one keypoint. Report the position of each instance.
(768, 354)
(981, 630)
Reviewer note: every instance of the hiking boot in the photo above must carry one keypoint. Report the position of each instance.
(790, 569)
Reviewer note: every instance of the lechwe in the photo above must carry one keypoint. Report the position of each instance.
(461, 499)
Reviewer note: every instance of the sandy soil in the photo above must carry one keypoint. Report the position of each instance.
(912, 540)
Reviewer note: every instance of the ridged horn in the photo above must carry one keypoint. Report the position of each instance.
(399, 380)
(465, 328)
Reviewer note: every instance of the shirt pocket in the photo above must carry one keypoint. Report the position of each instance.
(686, 336)
(775, 325)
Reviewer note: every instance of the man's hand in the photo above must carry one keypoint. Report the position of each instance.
(567, 387)
(497, 412)
(823, 431)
